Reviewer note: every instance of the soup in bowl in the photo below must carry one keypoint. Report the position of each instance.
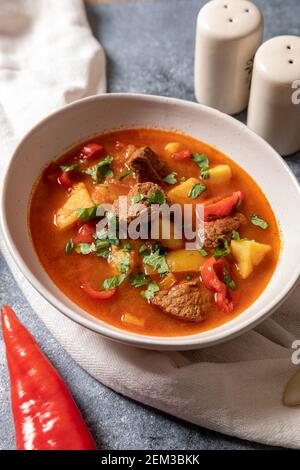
(155, 222)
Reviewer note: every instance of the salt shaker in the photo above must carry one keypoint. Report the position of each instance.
(228, 34)
(274, 106)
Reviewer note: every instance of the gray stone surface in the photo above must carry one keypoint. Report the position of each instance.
(150, 50)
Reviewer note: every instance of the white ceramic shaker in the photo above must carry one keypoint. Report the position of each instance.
(228, 34)
(274, 106)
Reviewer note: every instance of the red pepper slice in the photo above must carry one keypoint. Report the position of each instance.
(97, 294)
(65, 180)
(91, 151)
(212, 271)
(85, 234)
(223, 207)
(182, 155)
(45, 414)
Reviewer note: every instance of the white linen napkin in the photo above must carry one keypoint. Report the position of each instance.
(48, 57)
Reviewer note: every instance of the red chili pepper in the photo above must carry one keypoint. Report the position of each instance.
(212, 271)
(182, 155)
(85, 234)
(223, 207)
(65, 180)
(97, 294)
(91, 151)
(45, 414)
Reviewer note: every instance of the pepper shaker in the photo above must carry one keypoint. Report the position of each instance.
(228, 34)
(274, 106)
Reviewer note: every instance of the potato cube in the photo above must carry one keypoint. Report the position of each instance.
(78, 198)
(248, 254)
(184, 260)
(132, 320)
(220, 174)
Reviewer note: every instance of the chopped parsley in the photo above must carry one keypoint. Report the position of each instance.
(235, 235)
(197, 190)
(157, 197)
(157, 261)
(85, 248)
(69, 246)
(189, 277)
(68, 168)
(228, 279)
(137, 198)
(127, 246)
(124, 263)
(171, 178)
(223, 249)
(203, 252)
(202, 161)
(87, 213)
(150, 291)
(139, 280)
(255, 220)
(114, 281)
(124, 175)
(142, 249)
(102, 167)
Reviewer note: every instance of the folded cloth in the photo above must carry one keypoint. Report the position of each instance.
(48, 57)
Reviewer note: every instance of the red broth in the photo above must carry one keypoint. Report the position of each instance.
(66, 270)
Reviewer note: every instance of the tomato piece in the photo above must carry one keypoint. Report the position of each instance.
(64, 179)
(97, 294)
(91, 151)
(212, 271)
(223, 207)
(182, 155)
(85, 234)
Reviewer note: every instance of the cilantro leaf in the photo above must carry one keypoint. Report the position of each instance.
(139, 280)
(223, 249)
(127, 246)
(124, 263)
(228, 279)
(235, 235)
(157, 197)
(171, 178)
(85, 248)
(68, 168)
(137, 198)
(202, 161)
(157, 261)
(127, 173)
(102, 167)
(142, 249)
(87, 213)
(255, 220)
(150, 291)
(203, 252)
(197, 190)
(69, 246)
(114, 281)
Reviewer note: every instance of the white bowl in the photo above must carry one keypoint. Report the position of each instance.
(85, 118)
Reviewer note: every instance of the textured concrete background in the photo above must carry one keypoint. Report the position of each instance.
(149, 46)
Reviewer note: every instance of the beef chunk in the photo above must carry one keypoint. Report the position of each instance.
(139, 189)
(147, 165)
(222, 228)
(187, 300)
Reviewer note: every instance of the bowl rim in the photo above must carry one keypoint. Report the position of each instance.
(114, 333)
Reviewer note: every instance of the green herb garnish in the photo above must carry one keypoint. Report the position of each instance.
(197, 190)
(137, 198)
(114, 281)
(203, 252)
(157, 197)
(139, 280)
(223, 249)
(228, 279)
(68, 168)
(171, 178)
(124, 263)
(150, 291)
(235, 235)
(142, 249)
(69, 246)
(102, 167)
(87, 213)
(85, 248)
(127, 246)
(189, 277)
(127, 173)
(157, 261)
(202, 161)
(255, 220)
